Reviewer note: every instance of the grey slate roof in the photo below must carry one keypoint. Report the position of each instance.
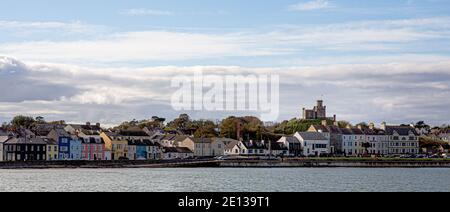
(346, 131)
(50, 141)
(202, 140)
(401, 130)
(62, 133)
(312, 136)
(292, 139)
(134, 133)
(23, 140)
(254, 145)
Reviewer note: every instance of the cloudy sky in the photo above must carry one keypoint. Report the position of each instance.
(109, 60)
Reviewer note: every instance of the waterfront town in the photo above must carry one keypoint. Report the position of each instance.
(314, 134)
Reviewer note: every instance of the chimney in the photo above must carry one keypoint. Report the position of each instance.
(372, 126)
(334, 118)
(383, 126)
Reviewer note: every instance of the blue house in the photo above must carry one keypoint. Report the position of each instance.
(63, 139)
(141, 151)
(75, 149)
(137, 149)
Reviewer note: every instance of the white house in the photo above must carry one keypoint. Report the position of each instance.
(349, 144)
(171, 153)
(403, 140)
(233, 148)
(253, 148)
(3, 139)
(313, 143)
(379, 144)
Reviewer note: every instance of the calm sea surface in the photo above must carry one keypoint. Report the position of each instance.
(226, 180)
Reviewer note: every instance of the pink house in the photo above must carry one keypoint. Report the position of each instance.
(93, 148)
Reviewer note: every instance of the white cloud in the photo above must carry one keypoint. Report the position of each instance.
(287, 40)
(310, 5)
(145, 12)
(74, 27)
(401, 92)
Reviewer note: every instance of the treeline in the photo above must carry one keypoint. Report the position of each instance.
(247, 127)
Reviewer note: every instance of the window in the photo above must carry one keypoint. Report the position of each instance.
(64, 140)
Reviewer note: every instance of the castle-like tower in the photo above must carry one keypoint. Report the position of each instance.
(318, 112)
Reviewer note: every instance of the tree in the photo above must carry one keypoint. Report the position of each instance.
(205, 129)
(22, 121)
(228, 127)
(363, 124)
(296, 125)
(343, 124)
(180, 123)
(250, 128)
(40, 120)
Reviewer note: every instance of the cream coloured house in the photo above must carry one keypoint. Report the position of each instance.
(202, 147)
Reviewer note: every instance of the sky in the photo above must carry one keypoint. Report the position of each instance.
(109, 61)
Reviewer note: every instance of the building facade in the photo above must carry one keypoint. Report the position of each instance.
(293, 144)
(92, 148)
(27, 148)
(117, 145)
(313, 143)
(201, 147)
(403, 140)
(75, 148)
(172, 153)
(52, 149)
(63, 139)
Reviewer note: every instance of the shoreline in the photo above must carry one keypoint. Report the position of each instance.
(297, 163)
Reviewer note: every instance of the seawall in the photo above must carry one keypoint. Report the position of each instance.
(338, 163)
(106, 164)
(306, 163)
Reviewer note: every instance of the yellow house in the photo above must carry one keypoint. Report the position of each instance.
(116, 145)
(51, 149)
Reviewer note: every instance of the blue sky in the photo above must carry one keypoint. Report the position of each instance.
(370, 60)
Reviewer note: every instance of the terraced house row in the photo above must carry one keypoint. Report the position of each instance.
(91, 142)
(383, 141)
(81, 142)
